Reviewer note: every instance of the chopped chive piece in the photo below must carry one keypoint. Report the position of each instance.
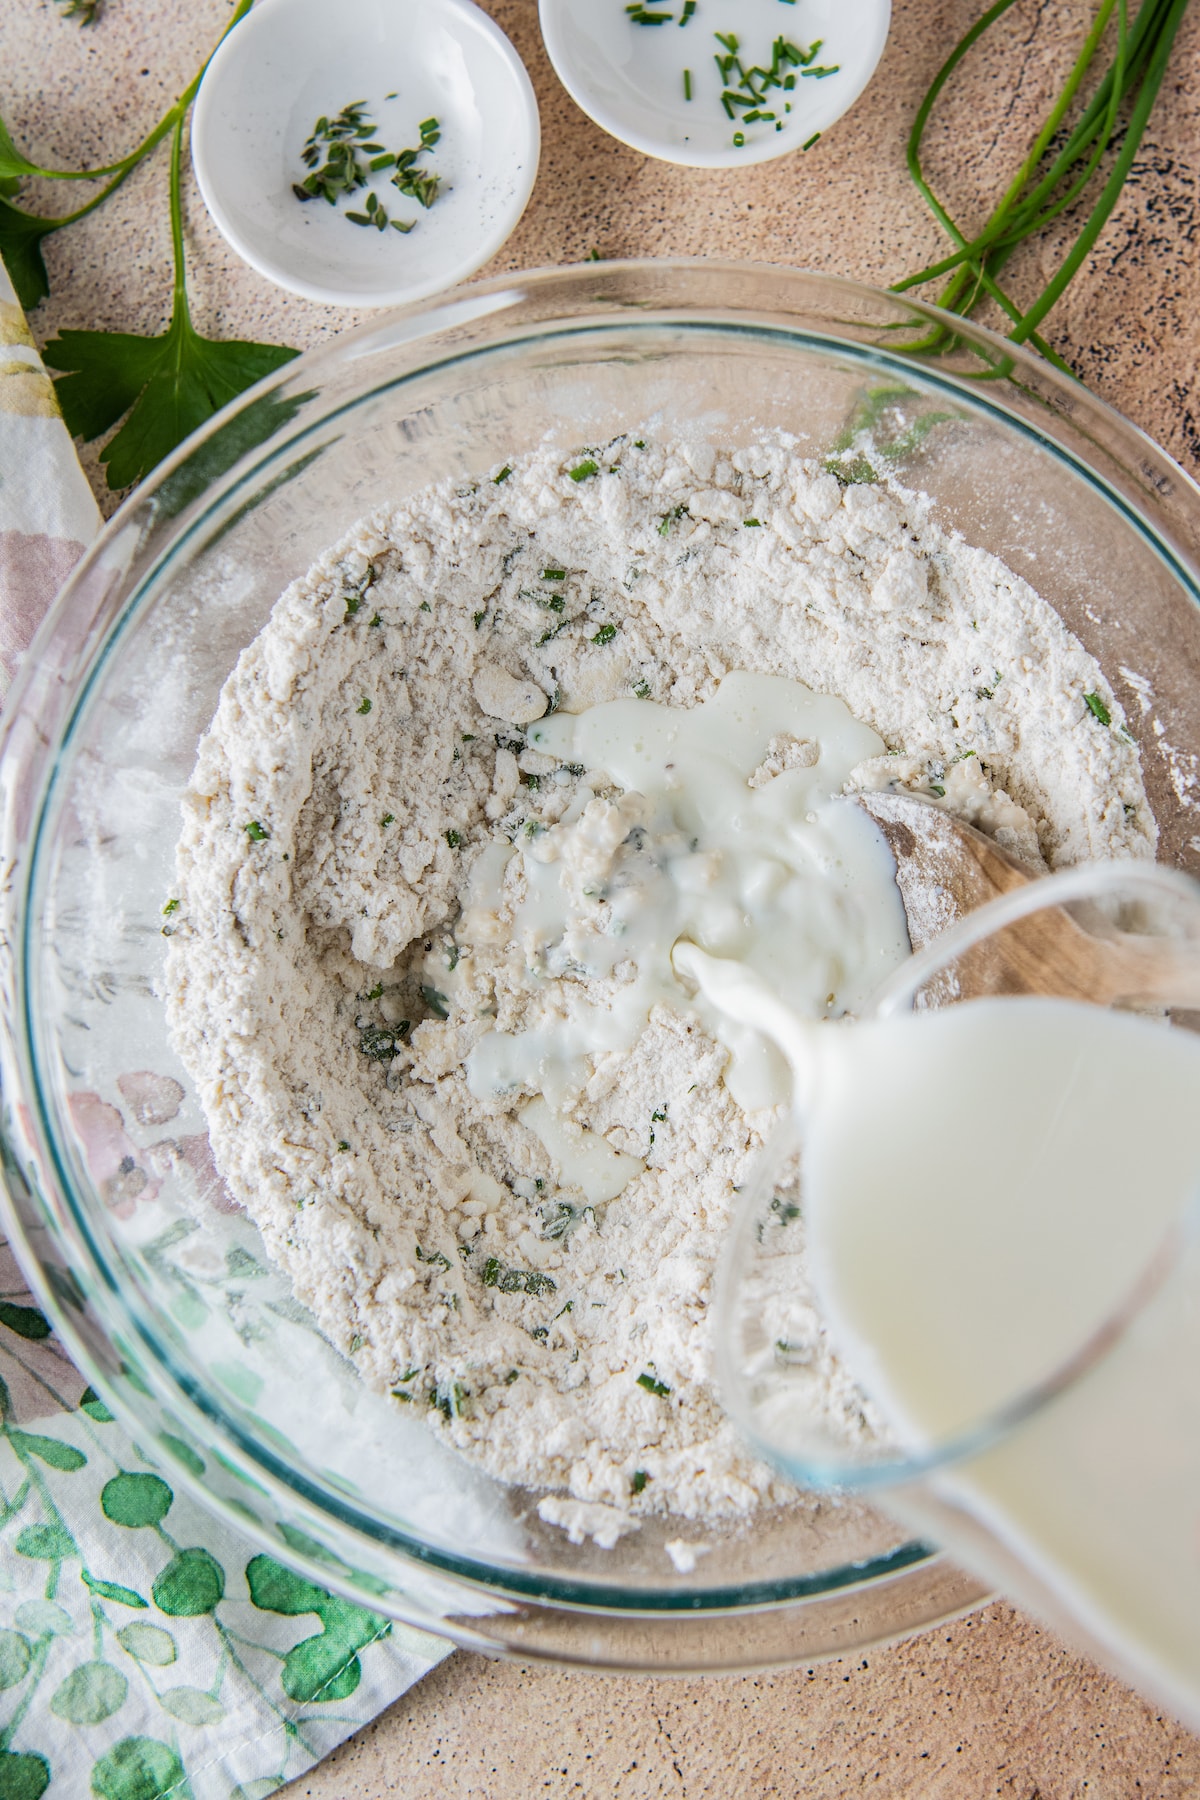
(739, 139)
(935, 787)
(584, 470)
(436, 1002)
(388, 819)
(605, 635)
(809, 142)
(1097, 708)
(170, 907)
(638, 1480)
(751, 521)
(687, 76)
(258, 834)
(504, 474)
(425, 606)
(554, 574)
(364, 705)
(641, 690)
(342, 1144)
(377, 620)
(653, 1386)
(454, 839)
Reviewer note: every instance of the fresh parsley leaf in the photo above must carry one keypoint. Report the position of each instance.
(163, 387)
(14, 166)
(168, 386)
(21, 248)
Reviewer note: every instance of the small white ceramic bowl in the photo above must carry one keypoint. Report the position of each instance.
(629, 78)
(291, 61)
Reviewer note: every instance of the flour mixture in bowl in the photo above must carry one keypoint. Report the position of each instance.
(440, 834)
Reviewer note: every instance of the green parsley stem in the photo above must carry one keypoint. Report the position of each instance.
(128, 163)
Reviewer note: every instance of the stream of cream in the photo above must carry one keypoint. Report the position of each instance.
(723, 824)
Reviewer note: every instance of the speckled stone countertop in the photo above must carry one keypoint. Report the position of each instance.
(992, 1705)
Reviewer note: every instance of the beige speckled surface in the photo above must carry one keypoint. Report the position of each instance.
(992, 1705)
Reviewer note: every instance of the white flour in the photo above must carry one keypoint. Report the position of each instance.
(372, 738)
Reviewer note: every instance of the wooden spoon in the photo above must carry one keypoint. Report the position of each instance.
(946, 869)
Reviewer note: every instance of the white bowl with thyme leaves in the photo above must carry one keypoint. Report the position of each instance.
(715, 84)
(369, 154)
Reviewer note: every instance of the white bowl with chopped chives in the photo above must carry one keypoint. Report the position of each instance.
(369, 153)
(715, 83)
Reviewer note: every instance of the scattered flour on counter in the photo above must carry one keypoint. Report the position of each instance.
(353, 857)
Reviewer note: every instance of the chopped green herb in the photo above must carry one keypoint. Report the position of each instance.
(657, 1118)
(751, 521)
(687, 80)
(785, 1210)
(513, 1375)
(381, 1042)
(554, 574)
(1097, 708)
(364, 705)
(448, 1400)
(653, 1386)
(436, 1002)
(388, 819)
(353, 602)
(809, 142)
(504, 474)
(935, 787)
(605, 635)
(258, 834)
(638, 1480)
(584, 470)
(425, 606)
(515, 1281)
(171, 907)
(377, 620)
(375, 993)
(454, 839)
(568, 1306)
(414, 182)
(342, 1144)
(435, 1258)
(479, 617)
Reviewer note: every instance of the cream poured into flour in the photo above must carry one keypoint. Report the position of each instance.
(533, 1269)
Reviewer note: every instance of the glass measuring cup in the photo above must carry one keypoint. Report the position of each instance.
(1015, 1374)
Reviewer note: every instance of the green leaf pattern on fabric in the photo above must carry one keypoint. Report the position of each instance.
(146, 1652)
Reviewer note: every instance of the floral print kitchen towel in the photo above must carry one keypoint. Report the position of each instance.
(146, 1652)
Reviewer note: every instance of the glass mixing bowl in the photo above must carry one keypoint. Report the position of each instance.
(159, 1289)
